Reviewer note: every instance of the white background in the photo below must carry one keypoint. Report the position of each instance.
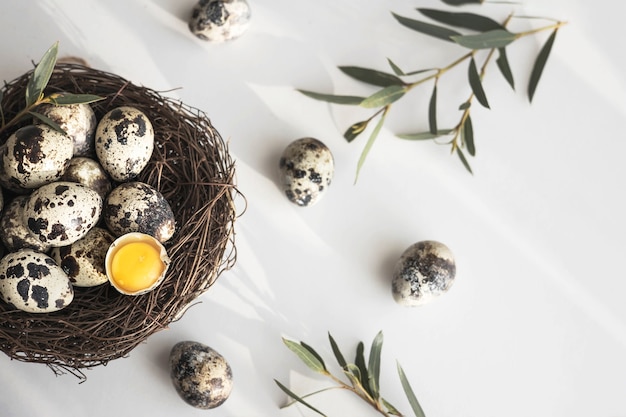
(535, 323)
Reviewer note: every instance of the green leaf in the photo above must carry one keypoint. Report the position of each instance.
(63, 99)
(48, 121)
(540, 64)
(41, 75)
(432, 111)
(468, 136)
(408, 391)
(498, 38)
(470, 21)
(338, 355)
(314, 353)
(425, 135)
(370, 76)
(306, 356)
(374, 365)
(505, 68)
(461, 2)
(331, 98)
(390, 408)
(355, 130)
(427, 28)
(465, 105)
(476, 83)
(396, 69)
(354, 374)
(297, 398)
(384, 97)
(359, 361)
(368, 146)
(464, 161)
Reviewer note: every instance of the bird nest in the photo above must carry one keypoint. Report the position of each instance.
(192, 168)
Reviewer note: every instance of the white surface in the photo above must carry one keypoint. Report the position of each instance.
(535, 324)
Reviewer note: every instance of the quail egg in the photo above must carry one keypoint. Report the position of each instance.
(136, 263)
(36, 155)
(201, 376)
(79, 123)
(424, 271)
(31, 281)
(306, 171)
(62, 212)
(219, 20)
(139, 207)
(14, 232)
(88, 172)
(124, 142)
(83, 260)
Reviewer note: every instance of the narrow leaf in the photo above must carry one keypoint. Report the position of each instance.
(306, 356)
(468, 136)
(48, 121)
(374, 365)
(498, 38)
(359, 361)
(427, 28)
(476, 83)
(425, 135)
(63, 99)
(410, 395)
(354, 374)
(461, 2)
(338, 355)
(470, 21)
(41, 75)
(314, 353)
(298, 399)
(505, 68)
(368, 146)
(331, 98)
(370, 76)
(384, 97)
(540, 64)
(432, 111)
(396, 69)
(464, 161)
(465, 105)
(390, 408)
(355, 130)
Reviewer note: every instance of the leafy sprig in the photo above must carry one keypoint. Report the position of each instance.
(485, 34)
(35, 96)
(359, 377)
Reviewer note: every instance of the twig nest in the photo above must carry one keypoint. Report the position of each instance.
(220, 20)
(201, 376)
(424, 271)
(306, 171)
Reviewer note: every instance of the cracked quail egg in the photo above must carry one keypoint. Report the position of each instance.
(88, 172)
(79, 123)
(306, 171)
(202, 377)
(139, 207)
(83, 260)
(31, 281)
(124, 142)
(35, 155)
(14, 232)
(219, 20)
(62, 212)
(424, 271)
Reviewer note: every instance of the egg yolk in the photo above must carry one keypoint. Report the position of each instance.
(136, 266)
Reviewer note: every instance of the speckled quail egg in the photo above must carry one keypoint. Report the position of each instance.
(31, 281)
(424, 271)
(219, 20)
(83, 260)
(306, 171)
(201, 376)
(14, 232)
(36, 155)
(139, 207)
(124, 142)
(62, 212)
(88, 172)
(79, 123)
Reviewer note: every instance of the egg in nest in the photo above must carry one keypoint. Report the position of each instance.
(79, 123)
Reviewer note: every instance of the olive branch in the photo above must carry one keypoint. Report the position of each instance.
(35, 94)
(485, 34)
(359, 377)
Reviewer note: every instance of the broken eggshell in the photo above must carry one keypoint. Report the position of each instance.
(306, 171)
(424, 271)
(219, 20)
